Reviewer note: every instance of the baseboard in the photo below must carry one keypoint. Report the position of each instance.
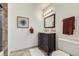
(23, 49)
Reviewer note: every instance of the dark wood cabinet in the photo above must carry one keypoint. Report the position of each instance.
(46, 42)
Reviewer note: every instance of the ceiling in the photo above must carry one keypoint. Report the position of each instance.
(39, 5)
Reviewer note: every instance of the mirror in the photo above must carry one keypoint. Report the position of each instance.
(49, 22)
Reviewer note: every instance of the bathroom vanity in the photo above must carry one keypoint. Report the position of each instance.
(47, 42)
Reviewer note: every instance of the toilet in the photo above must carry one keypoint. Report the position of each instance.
(66, 47)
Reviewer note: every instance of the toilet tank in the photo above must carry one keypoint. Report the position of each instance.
(68, 46)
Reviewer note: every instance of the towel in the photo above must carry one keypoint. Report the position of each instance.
(69, 25)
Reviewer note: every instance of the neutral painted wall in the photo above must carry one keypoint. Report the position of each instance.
(65, 11)
(19, 38)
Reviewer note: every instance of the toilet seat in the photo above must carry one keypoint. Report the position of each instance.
(59, 53)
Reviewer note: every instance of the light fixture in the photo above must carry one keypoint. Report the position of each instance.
(49, 11)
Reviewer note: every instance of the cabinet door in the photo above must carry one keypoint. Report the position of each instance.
(51, 42)
(43, 42)
(40, 40)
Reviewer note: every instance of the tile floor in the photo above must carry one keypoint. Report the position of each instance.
(28, 52)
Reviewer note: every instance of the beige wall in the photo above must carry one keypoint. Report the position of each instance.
(64, 11)
(20, 38)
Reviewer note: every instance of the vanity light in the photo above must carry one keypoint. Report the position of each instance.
(48, 12)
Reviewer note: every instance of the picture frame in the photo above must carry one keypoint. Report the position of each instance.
(49, 21)
(22, 22)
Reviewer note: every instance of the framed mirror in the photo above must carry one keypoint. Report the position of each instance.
(49, 21)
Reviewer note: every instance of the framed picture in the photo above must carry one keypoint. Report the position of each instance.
(22, 22)
(49, 21)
